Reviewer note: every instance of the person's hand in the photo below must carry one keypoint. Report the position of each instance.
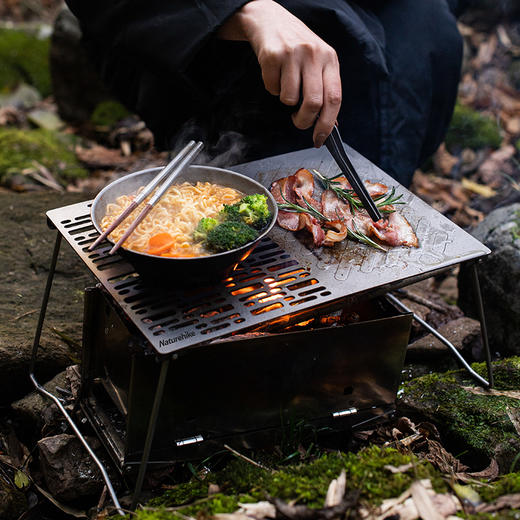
(293, 60)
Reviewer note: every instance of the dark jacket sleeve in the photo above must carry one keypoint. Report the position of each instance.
(162, 34)
(350, 28)
(169, 34)
(161, 57)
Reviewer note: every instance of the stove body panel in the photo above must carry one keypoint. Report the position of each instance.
(235, 388)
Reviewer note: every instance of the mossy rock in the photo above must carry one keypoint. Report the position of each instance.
(24, 58)
(304, 483)
(108, 113)
(20, 148)
(470, 129)
(470, 421)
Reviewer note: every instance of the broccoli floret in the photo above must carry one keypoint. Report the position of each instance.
(230, 235)
(230, 213)
(252, 210)
(204, 226)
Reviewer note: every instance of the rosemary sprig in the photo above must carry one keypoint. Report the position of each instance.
(350, 198)
(296, 208)
(364, 239)
(388, 199)
(359, 235)
(347, 196)
(356, 234)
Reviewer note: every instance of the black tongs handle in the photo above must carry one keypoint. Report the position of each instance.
(335, 146)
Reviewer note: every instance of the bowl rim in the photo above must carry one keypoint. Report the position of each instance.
(244, 247)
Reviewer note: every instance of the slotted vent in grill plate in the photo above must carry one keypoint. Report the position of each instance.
(270, 283)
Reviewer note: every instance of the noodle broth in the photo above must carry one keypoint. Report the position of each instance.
(177, 214)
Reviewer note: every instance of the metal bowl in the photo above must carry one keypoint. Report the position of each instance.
(184, 271)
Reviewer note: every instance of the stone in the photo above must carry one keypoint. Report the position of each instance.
(468, 417)
(45, 119)
(25, 254)
(24, 96)
(68, 470)
(463, 333)
(36, 410)
(77, 87)
(499, 276)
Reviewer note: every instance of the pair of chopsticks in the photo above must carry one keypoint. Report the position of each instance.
(335, 146)
(169, 172)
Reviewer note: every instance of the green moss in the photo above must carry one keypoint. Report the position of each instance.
(20, 148)
(505, 485)
(24, 59)
(182, 494)
(304, 483)
(108, 113)
(506, 372)
(470, 129)
(479, 421)
(215, 504)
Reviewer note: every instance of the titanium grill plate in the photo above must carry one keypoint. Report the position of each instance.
(285, 278)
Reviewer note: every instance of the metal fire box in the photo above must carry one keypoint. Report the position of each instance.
(240, 390)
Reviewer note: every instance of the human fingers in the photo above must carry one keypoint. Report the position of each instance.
(271, 72)
(312, 91)
(331, 104)
(290, 80)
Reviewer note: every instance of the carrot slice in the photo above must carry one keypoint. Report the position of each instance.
(178, 255)
(160, 243)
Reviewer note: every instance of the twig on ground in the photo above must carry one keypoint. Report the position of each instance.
(23, 315)
(247, 459)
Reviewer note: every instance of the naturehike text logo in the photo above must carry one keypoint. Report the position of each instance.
(169, 341)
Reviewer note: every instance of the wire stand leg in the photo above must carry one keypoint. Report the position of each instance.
(152, 423)
(441, 338)
(482, 319)
(39, 388)
(45, 302)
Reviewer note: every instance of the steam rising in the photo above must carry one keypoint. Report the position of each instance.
(230, 148)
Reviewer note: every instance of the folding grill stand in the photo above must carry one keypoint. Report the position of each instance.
(387, 272)
(166, 362)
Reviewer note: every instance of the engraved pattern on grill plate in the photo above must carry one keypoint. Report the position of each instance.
(282, 276)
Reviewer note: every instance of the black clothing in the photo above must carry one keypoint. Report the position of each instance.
(400, 64)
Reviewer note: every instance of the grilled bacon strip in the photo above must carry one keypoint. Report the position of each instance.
(287, 219)
(393, 230)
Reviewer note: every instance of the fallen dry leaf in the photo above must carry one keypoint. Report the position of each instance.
(503, 502)
(491, 170)
(485, 52)
(101, 157)
(443, 161)
(477, 390)
(399, 469)
(419, 501)
(514, 417)
(442, 459)
(336, 490)
(512, 125)
(423, 502)
(259, 510)
(480, 189)
(490, 473)
(213, 489)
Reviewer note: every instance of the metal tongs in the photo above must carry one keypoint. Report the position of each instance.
(335, 146)
(169, 172)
